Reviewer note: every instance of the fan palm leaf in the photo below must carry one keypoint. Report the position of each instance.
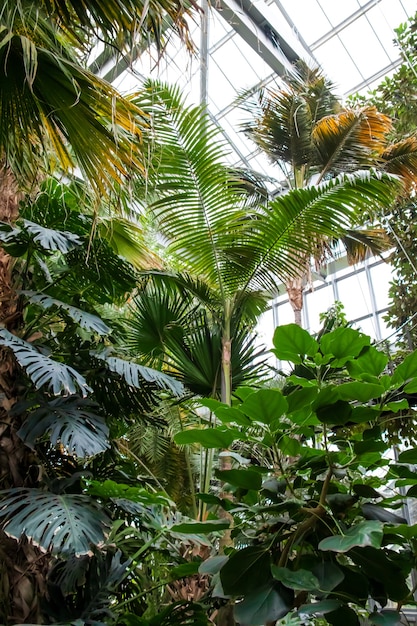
(48, 100)
(123, 21)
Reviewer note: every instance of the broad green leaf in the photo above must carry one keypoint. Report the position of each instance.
(243, 478)
(109, 489)
(403, 530)
(386, 618)
(344, 615)
(365, 491)
(183, 570)
(338, 413)
(201, 528)
(265, 406)
(328, 574)
(408, 456)
(406, 371)
(376, 512)
(61, 524)
(369, 445)
(213, 564)
(226, 413)
(343, 344)
(319, 608)
(246, 571)
(360, 391)
(289, 445)
(375, 563)
(399, 405)
(371, 363)
(300, 406)
(208, 437)
(367, 533)
(299, 579)
(293, 343)
(261, 607)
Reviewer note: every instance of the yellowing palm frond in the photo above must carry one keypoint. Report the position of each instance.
(49, 102)
(350, 140)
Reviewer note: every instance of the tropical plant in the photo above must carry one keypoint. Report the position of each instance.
(213, 231)
(395, 96)
(74, 395)
(307, 134)
(320, 518)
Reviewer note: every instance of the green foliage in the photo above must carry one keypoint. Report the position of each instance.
(318, 526)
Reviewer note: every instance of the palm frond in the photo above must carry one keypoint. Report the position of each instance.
(350, 140)
(134, 373)
(85, 320)
(72, 422)
(196, 197)
(277, 244)
(62, 524)
(124, 22)
(401, 159)
(58, 377)
(48, 100)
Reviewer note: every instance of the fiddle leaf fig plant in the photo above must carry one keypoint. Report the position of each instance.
(319, 506)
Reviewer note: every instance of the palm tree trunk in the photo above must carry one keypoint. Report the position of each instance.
(295, 289)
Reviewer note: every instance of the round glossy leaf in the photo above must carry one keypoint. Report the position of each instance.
(343, 344)
(386, 618)
(319, 608)
(208, 437)
(213, 564)
(245, 571)
(292, 343)
(265, 406)
(408, 456)
(367, 533)
(371, 362)
(300, 579)
(261, 607)
(329, 576)
(365, 491)
(406, 371)
(375, 512)
(336, 414)
(360, 391)
(244, 478)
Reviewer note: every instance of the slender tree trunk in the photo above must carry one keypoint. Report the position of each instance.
(295, 289)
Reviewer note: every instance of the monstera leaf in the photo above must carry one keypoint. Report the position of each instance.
(72, 422)
(47, 238)
(134, 372)
(86, 320)
(42, 370)
(60, 523)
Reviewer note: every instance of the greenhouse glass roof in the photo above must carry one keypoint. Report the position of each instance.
(244, 44)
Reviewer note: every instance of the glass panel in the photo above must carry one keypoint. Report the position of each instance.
(381, 275)
(353, 292)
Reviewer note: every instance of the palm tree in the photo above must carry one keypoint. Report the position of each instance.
(209, 223)
(311, 138)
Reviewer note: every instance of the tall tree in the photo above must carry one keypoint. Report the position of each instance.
(311, 138)
(211, 227)
(396, 96)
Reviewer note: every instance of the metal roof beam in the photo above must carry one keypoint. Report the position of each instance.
(277, 45)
